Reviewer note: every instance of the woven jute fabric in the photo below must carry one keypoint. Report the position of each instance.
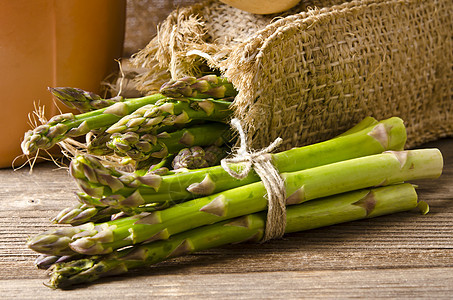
(142, 18)
(318, 69)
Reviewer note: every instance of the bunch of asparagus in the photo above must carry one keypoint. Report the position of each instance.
(186, 113)
(135, 219)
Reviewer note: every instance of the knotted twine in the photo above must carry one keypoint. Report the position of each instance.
(269, 175)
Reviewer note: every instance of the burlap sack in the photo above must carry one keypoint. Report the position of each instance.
(313, 72)
(142, 18)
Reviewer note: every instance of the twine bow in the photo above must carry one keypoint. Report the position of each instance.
(274, 184)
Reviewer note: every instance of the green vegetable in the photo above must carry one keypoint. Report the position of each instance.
(67, 125)
(198, 157)
(322, 212)
(82, 100)
(209, 86)
(375, 170)
(140, 147)
(159, 117)
(114, 187)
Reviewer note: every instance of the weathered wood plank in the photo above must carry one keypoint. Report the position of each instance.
(369, 284)
(401, 255)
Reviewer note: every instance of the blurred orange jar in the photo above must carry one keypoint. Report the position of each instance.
(50, 43)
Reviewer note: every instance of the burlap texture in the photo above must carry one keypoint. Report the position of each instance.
(143, 16)
(314, 72)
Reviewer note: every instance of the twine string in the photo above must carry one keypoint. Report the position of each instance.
(274, 184)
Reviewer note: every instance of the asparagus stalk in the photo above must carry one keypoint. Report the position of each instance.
(98, 181)
(209, 86)
(82, 213)
(323, 212)
(87, 170)
(155, 166)
(154, 118)
(365, 123)
(198, 157)
(98, 145)
(82, 100)
(91, 209)
(301, 186)
(45, 261)
(67, 125)
(140, 147)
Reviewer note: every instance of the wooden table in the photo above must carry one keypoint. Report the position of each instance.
(402, 255)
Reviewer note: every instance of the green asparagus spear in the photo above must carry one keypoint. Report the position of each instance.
(45, 261)
(90, 209)
(365, 123)
(98, 181)
(82, 213)
(198, 157)
(155, 166)
(209, 86)
(374, 170)
(82, 100)
(155, 118)
(98, 145)
(67, 125)
(322, 212)
(140, 147)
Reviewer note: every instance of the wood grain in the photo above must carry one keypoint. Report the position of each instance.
(404, 255)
